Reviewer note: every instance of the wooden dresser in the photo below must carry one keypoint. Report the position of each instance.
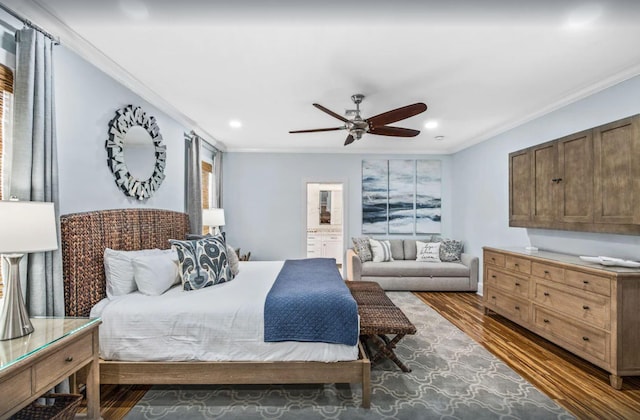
(588, 309)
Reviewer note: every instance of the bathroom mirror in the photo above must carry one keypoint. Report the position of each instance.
(325, 207)
(136, 155)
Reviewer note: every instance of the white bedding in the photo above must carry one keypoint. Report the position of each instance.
(219, 323)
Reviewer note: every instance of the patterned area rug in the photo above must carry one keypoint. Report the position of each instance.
(452, 377)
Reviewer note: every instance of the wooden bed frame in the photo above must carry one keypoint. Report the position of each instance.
(84, 237)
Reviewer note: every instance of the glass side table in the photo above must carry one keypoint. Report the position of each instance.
(57, 348)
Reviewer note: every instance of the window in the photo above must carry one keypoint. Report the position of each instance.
(6, 100)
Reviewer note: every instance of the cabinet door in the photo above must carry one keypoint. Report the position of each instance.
(544, 174)
(519, 188)
(332, 247)
(616, 173)
(574, 185)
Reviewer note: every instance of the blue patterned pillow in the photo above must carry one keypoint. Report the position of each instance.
(202, 262)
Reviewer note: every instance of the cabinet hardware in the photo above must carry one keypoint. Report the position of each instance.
(585, 281)
(546, 321)
(493, 297)
(546, 271)
(585, 307)
(517, 308)
(69, 359)
(493, 276)
(516, 264)
(517, 284)
(585, 338)
(546, 293)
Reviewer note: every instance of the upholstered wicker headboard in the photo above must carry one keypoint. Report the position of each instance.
(84, 237)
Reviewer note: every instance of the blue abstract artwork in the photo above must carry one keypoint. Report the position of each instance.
(401, 196)
(375, 194)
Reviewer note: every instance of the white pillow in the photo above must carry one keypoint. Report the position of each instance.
(428, 251)
(381, 250)
(118, 270)
(154, 274)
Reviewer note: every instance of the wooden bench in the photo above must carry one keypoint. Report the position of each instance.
(379, 318)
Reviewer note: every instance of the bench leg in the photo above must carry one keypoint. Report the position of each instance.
(385, 349)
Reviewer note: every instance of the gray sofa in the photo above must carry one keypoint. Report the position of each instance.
(405, 273)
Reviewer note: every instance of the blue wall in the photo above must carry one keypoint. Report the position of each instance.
(264, 197)
(481, 175)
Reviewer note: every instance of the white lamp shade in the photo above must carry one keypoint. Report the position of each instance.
(27, 226)
(213, 217)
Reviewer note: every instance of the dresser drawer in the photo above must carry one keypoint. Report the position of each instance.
(62, 361)
(590, 282)
(494, 258)
(547, 272)
(510, 283)
(510, 306)
(14, 390)
(573, 334)
(521, 265)
(587, 307)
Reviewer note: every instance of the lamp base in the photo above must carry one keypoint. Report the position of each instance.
(14, 319)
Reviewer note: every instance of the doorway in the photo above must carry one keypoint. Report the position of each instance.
(325, 212)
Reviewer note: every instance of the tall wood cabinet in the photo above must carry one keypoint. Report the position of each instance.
(588, 309)
(587, 181)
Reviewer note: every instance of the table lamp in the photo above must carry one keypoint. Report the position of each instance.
(213, 218)
(25, 227)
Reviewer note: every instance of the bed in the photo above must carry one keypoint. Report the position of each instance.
(84, 237)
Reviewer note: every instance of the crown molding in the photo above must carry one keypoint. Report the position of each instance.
(37, 13)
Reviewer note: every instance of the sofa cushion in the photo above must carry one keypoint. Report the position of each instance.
(450, 249)
(408, 268)
(362, 248)
(410, 252)
(381, 250)
(397, 249)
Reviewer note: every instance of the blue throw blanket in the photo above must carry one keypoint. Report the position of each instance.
(310, 302)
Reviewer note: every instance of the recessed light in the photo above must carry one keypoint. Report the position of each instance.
(235, 123)
(439, 138)
(431, 124)
(583, 16)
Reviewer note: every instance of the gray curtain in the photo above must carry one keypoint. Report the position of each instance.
(193, 195)
(34, 169)
(217, 169)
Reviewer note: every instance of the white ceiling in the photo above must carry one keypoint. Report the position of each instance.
(482, 67)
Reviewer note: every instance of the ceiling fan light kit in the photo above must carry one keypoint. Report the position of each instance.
(357, 126)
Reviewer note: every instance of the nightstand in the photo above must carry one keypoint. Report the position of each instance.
(33, 364)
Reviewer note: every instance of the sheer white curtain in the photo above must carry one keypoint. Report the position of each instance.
(34, 168)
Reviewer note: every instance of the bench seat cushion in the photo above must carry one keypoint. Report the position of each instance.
(406, 268)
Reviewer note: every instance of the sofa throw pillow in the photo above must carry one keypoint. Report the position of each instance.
(381, 250)
(428, 251)
(155, 273)
(362, 247)
(202, 262)
(450, 250)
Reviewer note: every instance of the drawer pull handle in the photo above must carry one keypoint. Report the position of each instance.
(493, 276)
(546, 293)
(585, 281)
(585, 307)
(546, 321)
(517, 308)
(493, 297)
(517, 265)
(546, 271)
(517, 284)
(585, 338)
(69, 359)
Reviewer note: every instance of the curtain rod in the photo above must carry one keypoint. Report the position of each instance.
(30, 24)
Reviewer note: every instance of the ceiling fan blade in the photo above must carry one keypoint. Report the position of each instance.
(315, 130)
(349, 140)
(394, 131)
(396, 114)
(333, 114)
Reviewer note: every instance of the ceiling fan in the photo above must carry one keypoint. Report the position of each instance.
(373, 125)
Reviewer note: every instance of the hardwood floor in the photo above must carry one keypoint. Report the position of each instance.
(577, 385)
